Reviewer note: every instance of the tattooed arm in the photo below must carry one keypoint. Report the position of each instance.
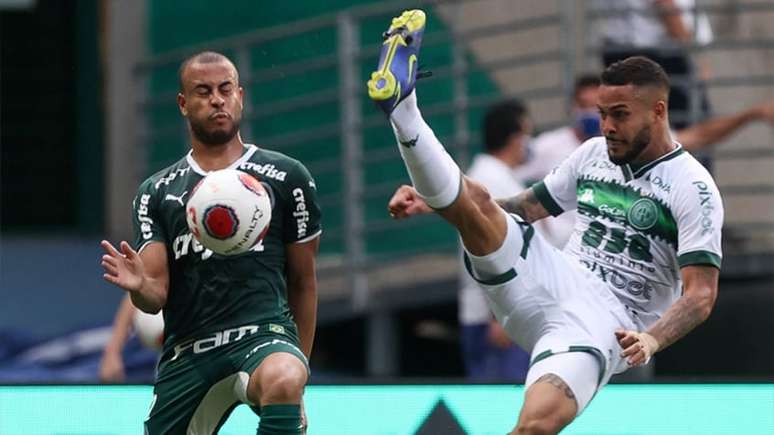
(525, 205)
(700, 284)
(700, 289)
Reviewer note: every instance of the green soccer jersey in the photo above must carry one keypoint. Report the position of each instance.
(209, 292)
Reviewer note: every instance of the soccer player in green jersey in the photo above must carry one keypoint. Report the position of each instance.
(238, 329)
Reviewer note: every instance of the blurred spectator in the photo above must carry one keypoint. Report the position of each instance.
(552, 147)
(487, 351)
(149, 329)
(111, 367)
(660, 30)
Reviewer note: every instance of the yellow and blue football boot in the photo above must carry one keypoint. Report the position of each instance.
(397, 72)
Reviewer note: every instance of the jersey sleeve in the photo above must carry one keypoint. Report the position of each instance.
(699, 215)
(558, 190)
(146, 225)
(303, 215)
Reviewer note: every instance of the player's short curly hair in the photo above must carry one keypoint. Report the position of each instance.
(637, 71)
(501, 121)
(202, 57)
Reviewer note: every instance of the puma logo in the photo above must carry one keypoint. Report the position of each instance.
(409, 143)
(179, 199)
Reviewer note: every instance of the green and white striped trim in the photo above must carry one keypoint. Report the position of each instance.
(596, 353)
(497, 280)
(510, 274)
(638, 171)
(546, 200)
(699, 257)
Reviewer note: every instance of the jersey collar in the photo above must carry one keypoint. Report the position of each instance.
(249, 150)
(631, 172)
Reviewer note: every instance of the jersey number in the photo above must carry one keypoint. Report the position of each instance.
(638, 246)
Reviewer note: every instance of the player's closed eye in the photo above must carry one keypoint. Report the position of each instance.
(619, 115)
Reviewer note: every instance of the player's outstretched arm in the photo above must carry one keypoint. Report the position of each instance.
(526, 205)
(713, 130)
(144, 275)
(700, 284)
(405, 202)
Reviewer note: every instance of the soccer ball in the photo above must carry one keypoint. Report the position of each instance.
(149, 329)
(229, 212)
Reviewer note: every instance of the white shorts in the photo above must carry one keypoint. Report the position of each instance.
(549, 304)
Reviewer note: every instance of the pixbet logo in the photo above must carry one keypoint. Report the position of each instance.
(707, 207)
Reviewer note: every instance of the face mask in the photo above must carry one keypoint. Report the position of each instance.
(529, 149)
(587, 123)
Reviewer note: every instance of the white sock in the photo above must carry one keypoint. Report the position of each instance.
(433, 172)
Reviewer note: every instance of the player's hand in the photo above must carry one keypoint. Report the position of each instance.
(124, 269)
(637, 347)
(111, 368)
(497, 336)
(406, 202)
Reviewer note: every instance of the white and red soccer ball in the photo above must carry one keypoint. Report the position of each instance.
(229, 212)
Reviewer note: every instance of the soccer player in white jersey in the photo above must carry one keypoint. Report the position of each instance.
(642, 270)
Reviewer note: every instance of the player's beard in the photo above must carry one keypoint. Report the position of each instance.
(213, 137)
(639, 143)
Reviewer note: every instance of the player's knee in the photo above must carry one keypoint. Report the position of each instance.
(483, 200)
(287, 387)
(539, 425)
(478, 193)
(280, 382)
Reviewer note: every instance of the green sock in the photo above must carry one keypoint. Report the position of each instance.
(280, 420)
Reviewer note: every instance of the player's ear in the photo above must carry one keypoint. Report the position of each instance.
(660, 108)
(181, 104)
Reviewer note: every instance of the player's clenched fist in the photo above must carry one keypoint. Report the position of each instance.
(124, 269)
(406, 202)
(637, 347)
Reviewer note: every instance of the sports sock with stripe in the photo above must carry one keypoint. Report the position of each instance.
(435, 175)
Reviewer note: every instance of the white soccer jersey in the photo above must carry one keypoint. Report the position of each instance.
(637, 227)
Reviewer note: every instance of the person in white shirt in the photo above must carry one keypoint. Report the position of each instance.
(660, 30)
(487, 351)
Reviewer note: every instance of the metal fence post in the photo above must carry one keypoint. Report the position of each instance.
(243, 66)
(460, 89)
(381, 354)
(352, 157)
(568, 10)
